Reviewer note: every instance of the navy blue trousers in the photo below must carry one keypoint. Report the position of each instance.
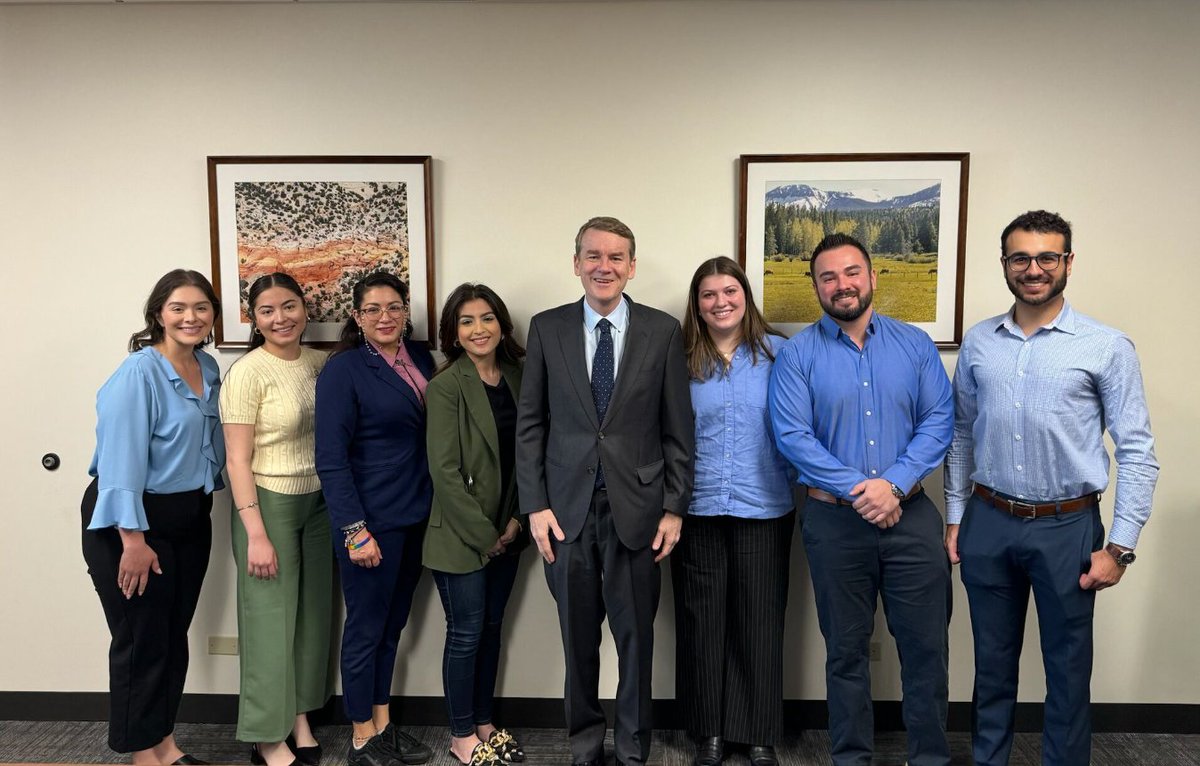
(474, 604)
(1003, 558)
(378, 601)
(853, 563)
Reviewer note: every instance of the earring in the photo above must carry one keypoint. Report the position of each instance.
(256, 331)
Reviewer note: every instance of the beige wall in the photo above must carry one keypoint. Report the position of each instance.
(538, 116)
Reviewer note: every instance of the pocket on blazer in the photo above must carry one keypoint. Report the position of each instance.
(648, 474)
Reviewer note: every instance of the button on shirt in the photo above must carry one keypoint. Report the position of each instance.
(739, 472)
(1031, 415)
(591, 336)
(153, 434)
(843, 414)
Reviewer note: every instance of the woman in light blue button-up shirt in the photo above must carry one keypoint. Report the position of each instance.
(730, 569)
(146, 539)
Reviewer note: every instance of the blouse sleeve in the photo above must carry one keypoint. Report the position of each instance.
(125, 413)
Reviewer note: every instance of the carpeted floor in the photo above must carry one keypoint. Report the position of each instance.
(84, 742)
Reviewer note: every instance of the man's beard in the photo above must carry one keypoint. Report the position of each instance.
(1057, 285)
(849, 313)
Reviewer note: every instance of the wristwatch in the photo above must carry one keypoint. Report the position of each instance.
(1123, 557)
(899, 493)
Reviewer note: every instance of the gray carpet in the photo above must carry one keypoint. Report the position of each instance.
(84, 742)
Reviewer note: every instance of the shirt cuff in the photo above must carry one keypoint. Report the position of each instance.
(1124, 533)
(119, 508)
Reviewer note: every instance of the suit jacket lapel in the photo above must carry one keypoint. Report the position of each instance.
(385, 373)
(478, 406)
(637, 344)
(572, 342)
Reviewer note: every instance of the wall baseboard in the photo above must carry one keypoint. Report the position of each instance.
(542, 712)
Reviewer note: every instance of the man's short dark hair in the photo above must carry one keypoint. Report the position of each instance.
(837, 239)
(1042, 222)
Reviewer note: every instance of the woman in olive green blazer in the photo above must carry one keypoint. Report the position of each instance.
(474, 538)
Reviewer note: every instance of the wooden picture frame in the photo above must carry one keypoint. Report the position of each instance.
(326, 221)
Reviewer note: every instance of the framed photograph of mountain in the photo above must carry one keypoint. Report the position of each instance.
(326, 221)
(908, 210)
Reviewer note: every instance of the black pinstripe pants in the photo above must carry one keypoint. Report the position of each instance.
(731, 582)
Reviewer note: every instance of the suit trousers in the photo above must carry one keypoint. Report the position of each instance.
(591, 577)
(148, 655)
(284, 624)
(731, 586)
(1003, 557)
(853, 563)
(378, 601)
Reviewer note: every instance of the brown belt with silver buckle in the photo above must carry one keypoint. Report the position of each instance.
(1034, 510)
(825, 497)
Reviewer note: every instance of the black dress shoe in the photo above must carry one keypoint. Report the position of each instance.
(762, 755)
(309, 756)
(593, 762)
(189, 760)
(710, 751)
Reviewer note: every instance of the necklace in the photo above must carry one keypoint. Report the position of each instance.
(401, 366)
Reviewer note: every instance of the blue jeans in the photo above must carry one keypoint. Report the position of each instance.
(474, 604)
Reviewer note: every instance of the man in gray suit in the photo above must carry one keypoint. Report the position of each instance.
(604, 468)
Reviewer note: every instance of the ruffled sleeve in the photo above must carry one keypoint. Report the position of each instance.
(125, 412)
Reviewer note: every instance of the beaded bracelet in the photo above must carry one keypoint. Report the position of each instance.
(353, 546)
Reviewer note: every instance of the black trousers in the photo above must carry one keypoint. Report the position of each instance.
(148, 656)
(595, 576)
(731, 585)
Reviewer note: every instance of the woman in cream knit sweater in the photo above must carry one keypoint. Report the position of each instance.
(280, 529)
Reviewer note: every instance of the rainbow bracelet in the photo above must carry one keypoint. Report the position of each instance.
(353, 546)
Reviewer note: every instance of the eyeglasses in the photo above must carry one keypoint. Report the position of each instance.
(375, 313)
(1045, 261)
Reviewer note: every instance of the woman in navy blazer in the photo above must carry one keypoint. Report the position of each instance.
(370, 433)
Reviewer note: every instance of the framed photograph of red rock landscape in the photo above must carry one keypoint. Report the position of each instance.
(908, 210)
(326, 221)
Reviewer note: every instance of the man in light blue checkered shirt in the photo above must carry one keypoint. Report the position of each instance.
(1035, 389)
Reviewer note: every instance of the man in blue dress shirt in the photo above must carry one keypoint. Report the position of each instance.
(861, 406)
(1035, 389)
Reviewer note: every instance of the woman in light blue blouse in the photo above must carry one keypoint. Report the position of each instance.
(146, 539)
(730, 569)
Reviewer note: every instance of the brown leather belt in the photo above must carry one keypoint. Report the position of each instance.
(825, 497)
(1034, 510)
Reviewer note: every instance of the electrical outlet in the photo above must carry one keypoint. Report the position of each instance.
(875, 651)
(222, 645)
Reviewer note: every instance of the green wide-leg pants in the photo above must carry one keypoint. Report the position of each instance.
(284, 623)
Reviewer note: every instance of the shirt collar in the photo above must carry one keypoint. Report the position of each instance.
(619, 316)
(1064, 321)
(833, 330)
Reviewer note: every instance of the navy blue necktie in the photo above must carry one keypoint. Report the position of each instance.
(602, 379)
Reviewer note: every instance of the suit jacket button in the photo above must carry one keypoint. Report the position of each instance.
(601, 435)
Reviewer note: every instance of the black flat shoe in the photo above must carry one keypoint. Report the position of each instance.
(481, 755)
(189, 760)
(309, 756)
(710, 751)
(762, 755)
(507, 748)
(256, 757)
